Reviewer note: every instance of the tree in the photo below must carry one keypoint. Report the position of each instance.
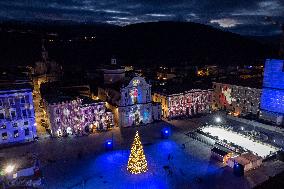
(137, 162)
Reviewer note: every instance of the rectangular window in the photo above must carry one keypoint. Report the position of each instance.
(27, 132)
(26, 123)
(16, 133)
(57, 111)
(2, 116)
(11, 101)
(4, 136)
(1, 102)
(15, 125)
(13, 114)
(27, 99)
(23, 101)
(3, 126)
(57, 120)
(24, 113)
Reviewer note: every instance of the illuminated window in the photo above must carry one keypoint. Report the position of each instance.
(24, 113)
(27, 132)
(23, 101)
(4, 136)
(13, 114)
(11, 101)
(3, 126)
(57, 120)
(16, 133)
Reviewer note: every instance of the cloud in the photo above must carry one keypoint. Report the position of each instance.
(232, 15)
(160, 15)
(226, 22)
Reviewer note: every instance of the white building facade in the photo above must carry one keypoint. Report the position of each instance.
(17, 118)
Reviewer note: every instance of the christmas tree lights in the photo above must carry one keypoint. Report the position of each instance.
(137, 162)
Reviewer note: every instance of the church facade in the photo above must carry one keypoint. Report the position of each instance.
(135, 105)
(132, 104)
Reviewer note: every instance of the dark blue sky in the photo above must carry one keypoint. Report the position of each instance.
(240, 16)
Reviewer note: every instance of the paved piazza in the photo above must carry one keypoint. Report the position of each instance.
(83, 162)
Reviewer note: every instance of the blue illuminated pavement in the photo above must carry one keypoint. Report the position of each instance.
(108, 170)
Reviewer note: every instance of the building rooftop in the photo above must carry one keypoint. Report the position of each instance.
(117, 85)
(58, 98)
(87, 100)
(175, 88)
(219, 151)
(253, 82)
(9, 86)
(69, 97)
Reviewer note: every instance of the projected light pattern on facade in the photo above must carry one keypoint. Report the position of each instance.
(272, 98)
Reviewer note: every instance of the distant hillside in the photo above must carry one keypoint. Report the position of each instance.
(170, 43)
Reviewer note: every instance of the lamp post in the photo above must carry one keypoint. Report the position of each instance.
(8, 170)
(218, 120)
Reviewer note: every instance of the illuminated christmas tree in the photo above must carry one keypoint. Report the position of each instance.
(137, 162)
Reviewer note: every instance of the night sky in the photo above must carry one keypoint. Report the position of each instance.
(247, 17)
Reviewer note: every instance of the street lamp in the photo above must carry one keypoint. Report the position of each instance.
(165, 133)
(218, 120)
(9, 169)
(109, 144)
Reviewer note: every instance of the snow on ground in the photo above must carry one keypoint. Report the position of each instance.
(258, 148)
(108, 170)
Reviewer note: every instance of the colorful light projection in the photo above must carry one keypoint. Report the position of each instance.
(134, 95)
(75, 118)
(227, 157)
(135, 82)
(137, 162)
(190, 103)
(227, 93)
(272, 98)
